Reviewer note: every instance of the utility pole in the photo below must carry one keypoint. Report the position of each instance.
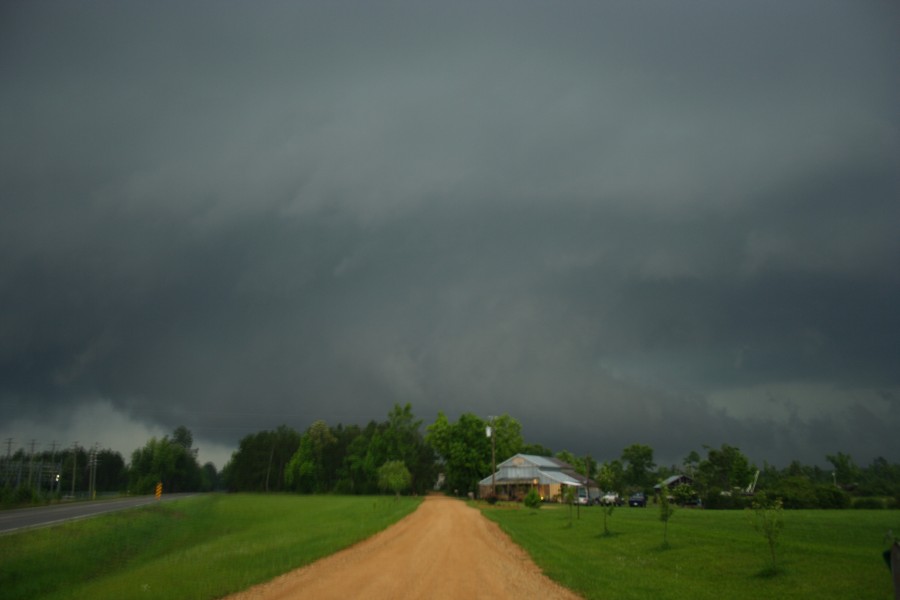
(9, 443)
(93, 472)
(31, 464)
(491, 434)
(74, 462)
(54, 472)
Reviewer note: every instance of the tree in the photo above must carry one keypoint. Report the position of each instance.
(769, 521)
(508, 440)
(665, 513)
(683, 494)
(691, 461)
(358, 470)
(567, 457)
(536, 450)
(638, 459)
(164, 461)
(464, 449)
(403, 441)
(308, 469)
(846, 473)
(183, 437)
(725, 469)
(609, 478)
(259, 463)
(209, 477)
(393, 475)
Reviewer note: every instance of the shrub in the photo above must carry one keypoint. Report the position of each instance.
(832, 497)
(716, 500)
(768, 519)
(868, 503)
(797, 492)
(533, 499)
(665, 513)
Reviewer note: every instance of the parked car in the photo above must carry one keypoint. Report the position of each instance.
(638, 499)
(610, 499)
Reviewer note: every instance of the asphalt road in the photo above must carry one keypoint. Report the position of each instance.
(42, 516)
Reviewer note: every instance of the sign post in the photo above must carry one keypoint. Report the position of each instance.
(159, 490)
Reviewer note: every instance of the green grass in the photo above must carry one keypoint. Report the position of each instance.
(711, 554)
(196, 548)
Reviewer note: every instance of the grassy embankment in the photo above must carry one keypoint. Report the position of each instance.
(711, 554)
(200, 547)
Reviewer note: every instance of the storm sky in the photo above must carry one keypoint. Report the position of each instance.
(669, 223)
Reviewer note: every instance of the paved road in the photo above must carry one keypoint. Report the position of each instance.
(26, 518)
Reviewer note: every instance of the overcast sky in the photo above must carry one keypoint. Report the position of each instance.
(669, 223)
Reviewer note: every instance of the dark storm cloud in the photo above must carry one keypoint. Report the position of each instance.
(617, 223)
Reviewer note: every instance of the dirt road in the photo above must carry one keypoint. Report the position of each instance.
(445, 549)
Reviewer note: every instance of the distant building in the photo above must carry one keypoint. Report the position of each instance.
(516, 476)
(673, 482)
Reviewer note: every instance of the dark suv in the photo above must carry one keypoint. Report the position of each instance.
(638, 499)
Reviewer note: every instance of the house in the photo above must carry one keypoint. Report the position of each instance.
(672, 482)
(516, 476)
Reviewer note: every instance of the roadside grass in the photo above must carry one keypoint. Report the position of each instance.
(710, 554)
(200, 547)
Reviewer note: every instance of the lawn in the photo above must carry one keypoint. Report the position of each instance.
(711, 554)
(196, 548)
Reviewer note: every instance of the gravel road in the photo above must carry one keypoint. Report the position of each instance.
(445, 549)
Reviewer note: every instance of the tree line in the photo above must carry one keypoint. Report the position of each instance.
(79, 472)
(401, 454)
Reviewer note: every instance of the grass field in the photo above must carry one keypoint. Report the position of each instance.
(200, 547)
(711, 554)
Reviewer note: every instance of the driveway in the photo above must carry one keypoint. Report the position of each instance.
(445, 549)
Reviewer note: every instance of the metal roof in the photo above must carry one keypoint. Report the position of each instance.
(525, 468)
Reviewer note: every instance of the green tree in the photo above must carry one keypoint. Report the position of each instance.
(569, 497)
(508, 437)
(112, 474)
(881, 478)
(403, 440)
(393, 475)
(183, 437)
(768, 519)
(464, 449)
(532, 499)
(725, 469)
(209, 478)
(846, 473)
(666, 510)
(609, 478)
(691, 462)
(576, 462)
(536, 450)
(308, 469)
(683, 494)
(639, 465)
(259, 463)
(166, 461)
(358, 470)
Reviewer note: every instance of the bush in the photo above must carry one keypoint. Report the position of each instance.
(491, 499)
(717, 501)
(533, 499)
(868, 503)
(832, 497)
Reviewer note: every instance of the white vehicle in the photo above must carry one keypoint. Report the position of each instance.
(610, 499)
(581, 495)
